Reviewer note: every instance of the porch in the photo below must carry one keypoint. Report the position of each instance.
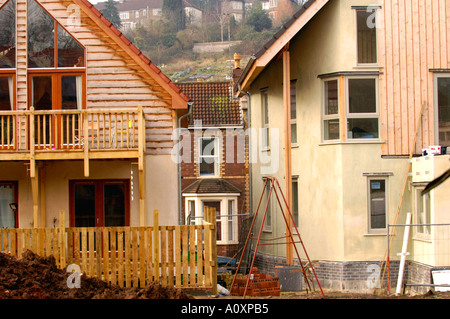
(34, 137)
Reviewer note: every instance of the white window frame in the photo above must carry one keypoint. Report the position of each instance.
(329, 117)
(215, 157)
(437, 76)
(370, 179)
(224, 200)
(348, 115)
(124, 15)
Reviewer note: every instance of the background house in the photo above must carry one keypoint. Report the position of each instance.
(215, 172)
(345, 94)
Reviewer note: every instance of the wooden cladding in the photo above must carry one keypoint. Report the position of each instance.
(413, 39)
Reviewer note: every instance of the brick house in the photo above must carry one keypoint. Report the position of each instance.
(215, 173)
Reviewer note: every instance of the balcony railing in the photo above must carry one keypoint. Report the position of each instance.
(72, 130)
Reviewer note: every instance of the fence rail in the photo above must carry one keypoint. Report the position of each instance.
(179, 256)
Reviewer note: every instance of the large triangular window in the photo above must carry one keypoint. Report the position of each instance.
(49, 44)
(8, 35)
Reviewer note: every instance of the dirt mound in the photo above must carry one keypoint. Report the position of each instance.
(36, 277)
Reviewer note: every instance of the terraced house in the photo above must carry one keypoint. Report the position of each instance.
(350, 94)
(85, 121)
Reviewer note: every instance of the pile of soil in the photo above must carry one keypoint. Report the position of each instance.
(36, 277)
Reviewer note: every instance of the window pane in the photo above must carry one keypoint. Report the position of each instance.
(293, 101)
(378, 204)
(208, 146)
(84, 205)
(70, 52)
(363, 128)
(42, 92)
(41, 39)
(230, 220)
(8, 35)
(294, 133)
(367, 37)
(6, 93)
(332, 130)
(444, 110)
(206, 168)
(295, 201)
(114, 205)
(362, 96)
(331, 97)
(70, 92)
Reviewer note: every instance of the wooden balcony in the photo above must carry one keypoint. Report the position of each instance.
(72, 134)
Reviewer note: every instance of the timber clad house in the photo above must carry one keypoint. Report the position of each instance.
(86, 121)
(210, 177)
(349, 94)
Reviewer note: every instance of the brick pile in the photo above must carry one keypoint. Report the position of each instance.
(260, 285)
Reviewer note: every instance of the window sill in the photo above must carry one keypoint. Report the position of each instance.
(384, 233)
(360, 141)
(367, 66)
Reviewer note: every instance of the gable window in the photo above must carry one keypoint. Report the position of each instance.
(265, 120)
(209, 156)
(377, 195)
(443, 110)
(331, 127)
(293, 113)
(366, 36)
(362, 108)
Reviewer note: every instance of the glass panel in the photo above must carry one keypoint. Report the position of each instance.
(42, 92)
(114, 205)
(6, 93)
(70, 52)
(332, 130)
(367, 37)
(363, 128)
(7, 218)
(444, 110)
(191, 218)
(84, 205)
(70, 90)
(293, 101)
(207, 158)
(331, 97)
(41, 37)
(378, 204)
(295, 201)
(362, 96)
(206, 168)
(293, 133)
(8, 35)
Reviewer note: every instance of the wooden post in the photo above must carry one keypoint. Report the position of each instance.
(141, 167)
(213, 220)
(86, 144)
(62, 239)
(287, 146)
(156, 243)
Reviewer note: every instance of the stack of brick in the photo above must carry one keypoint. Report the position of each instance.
(260, 285)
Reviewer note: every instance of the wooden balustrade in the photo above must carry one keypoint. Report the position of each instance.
(72, 130)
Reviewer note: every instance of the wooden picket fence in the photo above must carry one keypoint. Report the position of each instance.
(178, 256)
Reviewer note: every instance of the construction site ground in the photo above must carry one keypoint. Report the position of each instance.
(36, 277)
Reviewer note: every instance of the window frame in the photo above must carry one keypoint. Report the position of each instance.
(216, 156)
(365, 9)
(293, 106)
(265, 120)
(15, 185)
(328, 117)
(295, 202)
(268, 222)
(426, 205)
(348, 115)
(372, 230)
(436, 78)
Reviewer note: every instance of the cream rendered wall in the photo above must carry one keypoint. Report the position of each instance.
(333, 205)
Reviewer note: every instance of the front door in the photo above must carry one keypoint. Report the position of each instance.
(8, 198)
(216, 205)
(99, 203)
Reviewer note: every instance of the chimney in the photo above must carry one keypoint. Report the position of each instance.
(237, 61)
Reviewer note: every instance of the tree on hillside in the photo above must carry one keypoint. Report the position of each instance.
(259, 19)
(173, 12)
(110, 12)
